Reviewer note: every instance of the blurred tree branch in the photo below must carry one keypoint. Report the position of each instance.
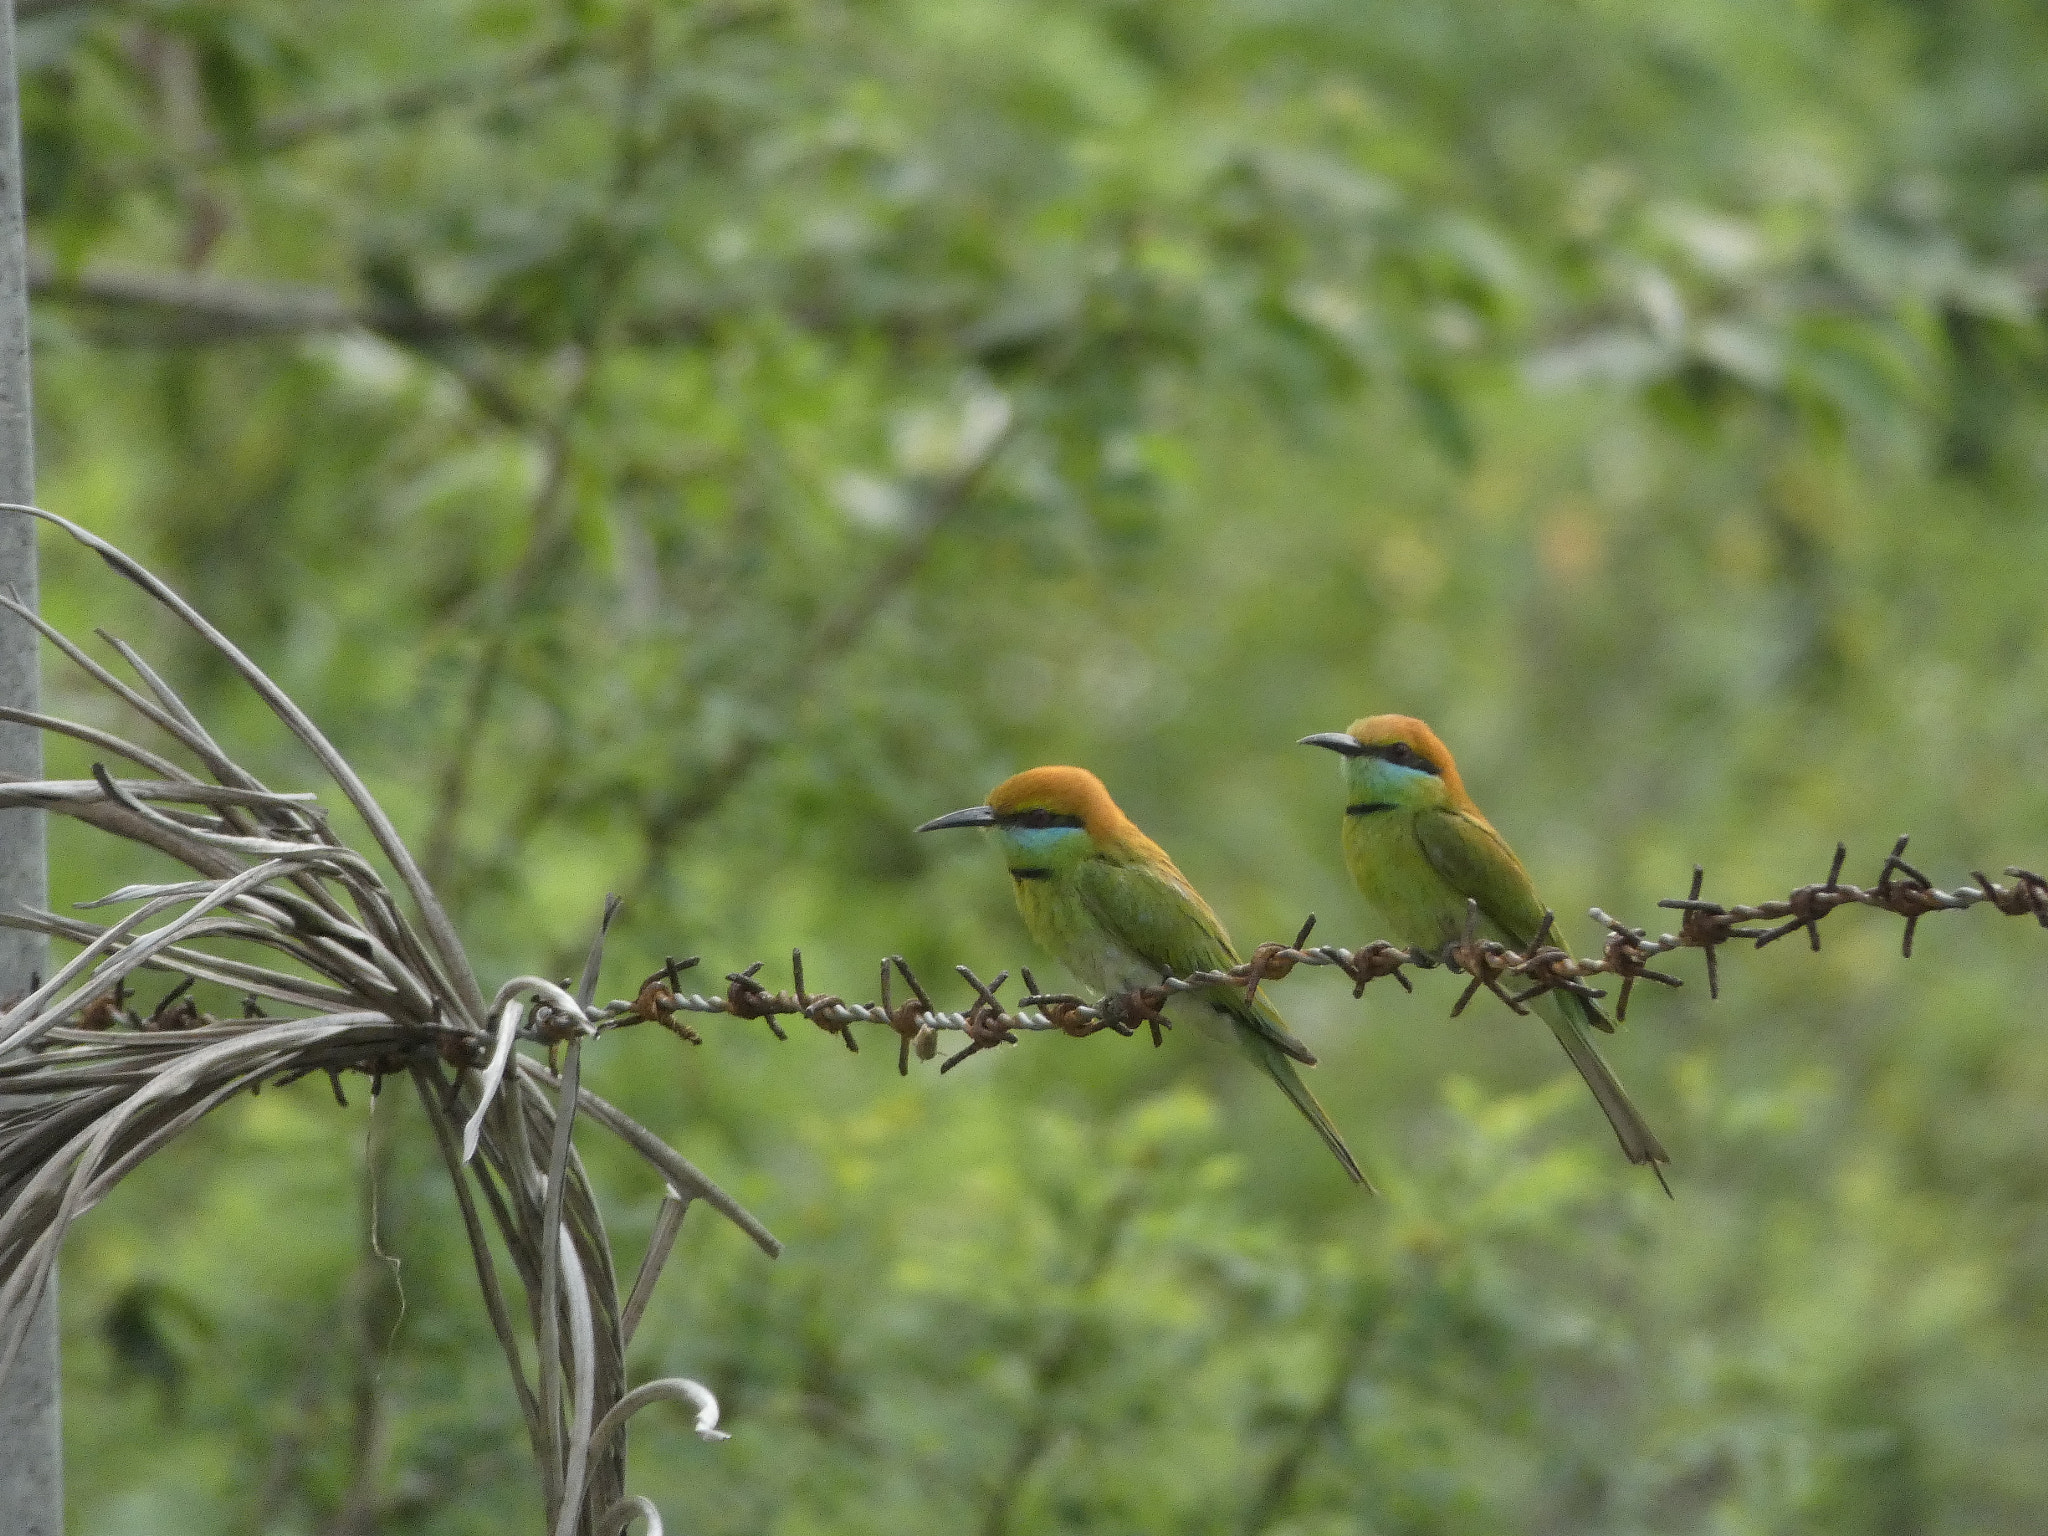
(1055, 1366)
(801, 677)
(409, 103)
(553, 508)
(547, 522)
(373, 1306)
(148, 307)
(185, 308)
(1317, 1427)
(542, 62)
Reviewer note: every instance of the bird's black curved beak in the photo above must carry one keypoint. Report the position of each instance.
(1336, 741)
(973, 816)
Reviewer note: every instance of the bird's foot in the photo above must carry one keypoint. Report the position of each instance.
(1125, 1011)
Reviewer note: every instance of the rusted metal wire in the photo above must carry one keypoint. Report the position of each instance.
(1626, 954)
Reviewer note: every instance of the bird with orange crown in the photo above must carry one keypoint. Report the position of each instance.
(1420, 851)
(1106, 900)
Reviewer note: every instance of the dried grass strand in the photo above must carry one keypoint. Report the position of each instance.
(668, 1224)
(90, 1087)
(440, 930)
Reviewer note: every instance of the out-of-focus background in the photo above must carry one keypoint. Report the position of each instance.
(677, 448)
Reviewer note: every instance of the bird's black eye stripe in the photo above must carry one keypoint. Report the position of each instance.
(1038, 820)
(1401, 755)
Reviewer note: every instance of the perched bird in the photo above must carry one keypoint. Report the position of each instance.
(1106, 900)
(1419, 850)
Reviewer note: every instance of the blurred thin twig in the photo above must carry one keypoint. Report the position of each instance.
(549, 518)
(943, 501)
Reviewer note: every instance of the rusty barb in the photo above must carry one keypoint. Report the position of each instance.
(174, 1010)
(1515, 978)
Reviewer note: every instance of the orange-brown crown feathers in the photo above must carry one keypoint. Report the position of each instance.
(1386, 730)
(1077, 792)
(1066, 792)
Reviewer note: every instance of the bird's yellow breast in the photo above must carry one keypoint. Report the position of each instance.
(1417, 905)
(1061, 922)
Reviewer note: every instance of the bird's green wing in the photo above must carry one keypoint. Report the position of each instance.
(1475, 862)
(1153, 916)
(1163, 922)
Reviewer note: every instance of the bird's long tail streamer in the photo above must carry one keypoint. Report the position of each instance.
(1284, 1073)
(1630, 1129)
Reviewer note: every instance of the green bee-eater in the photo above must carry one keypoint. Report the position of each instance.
(1106, 900)
(1419, 850)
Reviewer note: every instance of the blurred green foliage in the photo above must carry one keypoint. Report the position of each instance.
(676, 448)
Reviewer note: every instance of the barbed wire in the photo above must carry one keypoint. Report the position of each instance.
(917, 1021)
(1625, 954)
